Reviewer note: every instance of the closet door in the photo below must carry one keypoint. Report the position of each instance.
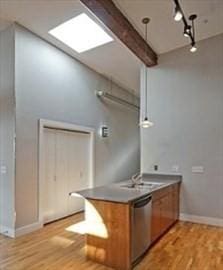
(67, 169)
(62, 173)
(49, 167)
(79, 168)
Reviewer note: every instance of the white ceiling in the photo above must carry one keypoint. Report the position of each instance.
(114, 59)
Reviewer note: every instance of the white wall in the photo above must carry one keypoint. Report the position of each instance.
(7, 131)
(52, 85)
(186, 105)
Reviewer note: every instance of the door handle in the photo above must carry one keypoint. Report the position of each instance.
(143, 202)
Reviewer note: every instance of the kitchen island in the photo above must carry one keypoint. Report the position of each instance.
(123, 221)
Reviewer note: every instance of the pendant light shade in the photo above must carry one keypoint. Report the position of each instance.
(145, 122)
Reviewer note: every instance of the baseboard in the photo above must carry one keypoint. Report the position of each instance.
(28, 228)
(202, 220)
(7, 231)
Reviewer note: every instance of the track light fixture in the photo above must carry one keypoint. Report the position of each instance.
(189, 30)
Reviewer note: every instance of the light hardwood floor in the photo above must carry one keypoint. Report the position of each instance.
(186, 246)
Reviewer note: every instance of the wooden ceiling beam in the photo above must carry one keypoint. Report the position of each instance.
(113, 18)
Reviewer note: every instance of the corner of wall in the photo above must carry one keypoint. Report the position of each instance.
(7, 131)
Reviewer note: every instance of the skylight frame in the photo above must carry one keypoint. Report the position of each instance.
(71, 33)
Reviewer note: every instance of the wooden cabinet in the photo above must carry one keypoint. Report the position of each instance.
(109, 227)
(156, 219)
(108, 239)
(165, 210)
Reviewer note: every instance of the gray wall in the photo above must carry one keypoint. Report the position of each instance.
(186, 105)
(52, 85)
(7, 130)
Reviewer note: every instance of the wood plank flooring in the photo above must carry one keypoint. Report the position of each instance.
(186, 246)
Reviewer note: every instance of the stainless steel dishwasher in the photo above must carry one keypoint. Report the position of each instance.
(141, 227)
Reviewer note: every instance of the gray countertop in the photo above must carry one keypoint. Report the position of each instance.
(117, 193)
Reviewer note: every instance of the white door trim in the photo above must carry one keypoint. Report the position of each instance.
(43, 123)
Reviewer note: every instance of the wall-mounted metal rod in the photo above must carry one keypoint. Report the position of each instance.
(103, 94)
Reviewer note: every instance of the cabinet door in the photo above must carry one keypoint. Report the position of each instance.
(176, 203)
(156, 220)
(167, 211)
(164, 213)
(171, 211)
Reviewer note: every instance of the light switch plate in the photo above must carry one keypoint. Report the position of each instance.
(175, 168)
(197, 169)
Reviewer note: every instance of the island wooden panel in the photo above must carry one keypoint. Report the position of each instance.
(112, 248)
(108, 236)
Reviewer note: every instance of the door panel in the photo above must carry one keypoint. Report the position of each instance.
(49, 176)
(79, 168)
(62, 174)
(67, 169)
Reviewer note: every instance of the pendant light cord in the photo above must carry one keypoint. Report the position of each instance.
(146, 74)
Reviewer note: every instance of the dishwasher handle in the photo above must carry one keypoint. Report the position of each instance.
(142, 202)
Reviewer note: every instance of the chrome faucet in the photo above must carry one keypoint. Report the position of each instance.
(136, 179)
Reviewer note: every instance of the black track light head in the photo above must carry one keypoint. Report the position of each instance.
(187, 30)
(178, 14)
(193, 47)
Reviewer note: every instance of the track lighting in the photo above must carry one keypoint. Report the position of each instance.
(189, 30)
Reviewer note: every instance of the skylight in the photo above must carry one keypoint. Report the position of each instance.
(81, 33)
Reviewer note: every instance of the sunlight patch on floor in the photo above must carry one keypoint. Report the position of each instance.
(61, 241)
(96, 229)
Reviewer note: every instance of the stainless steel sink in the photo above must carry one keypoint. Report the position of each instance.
(143, 185)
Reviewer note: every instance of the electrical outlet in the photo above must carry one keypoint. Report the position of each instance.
(197, 169)
(155, 167)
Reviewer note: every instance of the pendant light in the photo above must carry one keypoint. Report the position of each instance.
(145, 123)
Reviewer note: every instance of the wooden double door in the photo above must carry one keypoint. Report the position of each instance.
(66, 168)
